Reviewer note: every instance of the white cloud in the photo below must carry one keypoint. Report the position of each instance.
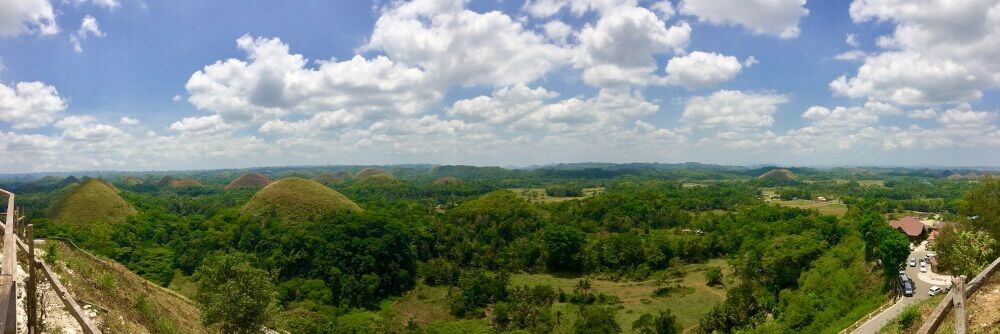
(325, 121)
(106, 4)
(29, 104)
(851, 55)
(750, 61)
(557, 31)
(88, 27)
(128, 121)
(733, 110)
(922, 113)
(700, 69)
(27, 17)
(939, 52)
(201, 125)
(458, 46)
(852, 40)
(846, 118)
(664, 8)
(773, 17)
(274, 83)
(909, 78)
(505, 105)
(619, 49)
(86, 128)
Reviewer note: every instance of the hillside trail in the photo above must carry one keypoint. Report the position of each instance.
(57, 318)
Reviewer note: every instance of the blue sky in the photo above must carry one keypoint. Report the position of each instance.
(140, 85)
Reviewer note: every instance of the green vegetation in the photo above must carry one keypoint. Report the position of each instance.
(643, 248)
(235, 297)
(299, 199)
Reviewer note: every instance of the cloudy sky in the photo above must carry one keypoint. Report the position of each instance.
(192, 84)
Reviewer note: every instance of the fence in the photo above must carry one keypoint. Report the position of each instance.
(941, 311)
(8, 271)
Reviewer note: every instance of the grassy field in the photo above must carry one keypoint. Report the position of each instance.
(428, 307)
(538, 195)
(637, 297)
(871, 183)
(827, 208)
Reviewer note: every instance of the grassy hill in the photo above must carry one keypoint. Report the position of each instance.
(298, 198)
(369, 172)
(447, 181)
(89, 202)
(778, 175)
(328, 178)
(124, 301)
(249, 180)
(131, 180)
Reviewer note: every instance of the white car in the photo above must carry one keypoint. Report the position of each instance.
(923, 267)
(913, 263)
(934, 290)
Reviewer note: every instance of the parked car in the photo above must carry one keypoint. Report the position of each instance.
(923, 267)
(913, 263)
(908, 288)
(934, 290)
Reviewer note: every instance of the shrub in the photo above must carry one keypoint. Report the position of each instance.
(908, 317)
(713, 276)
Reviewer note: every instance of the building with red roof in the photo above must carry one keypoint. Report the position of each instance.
(911, 226)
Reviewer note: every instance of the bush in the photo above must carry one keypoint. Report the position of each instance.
(908, 317)
(439, 272)
(713, 276)
(596, 320)
(235, 297)
(664, 323)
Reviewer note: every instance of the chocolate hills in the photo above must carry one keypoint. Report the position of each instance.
(249, 180)
(328, 178)
(298, 199)
(89, 202)
(778, 175)
(369, 172)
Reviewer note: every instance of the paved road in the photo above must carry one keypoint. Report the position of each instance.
(923, 282)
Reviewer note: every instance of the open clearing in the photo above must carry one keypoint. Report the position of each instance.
(833, 207)
(427, 306)
(539, 195)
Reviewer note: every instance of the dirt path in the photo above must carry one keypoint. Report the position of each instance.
(57, 318)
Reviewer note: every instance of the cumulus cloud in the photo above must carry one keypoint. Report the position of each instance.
(272, 83)
(939, 52)
(732, 110)
(701, 69)
(128, 121)
(86, 128)
(325, 121)
(618, 50)
(29, 104)
(846, 118)
(772, 17)
(557, 31)
(455, 45)
(27, 17)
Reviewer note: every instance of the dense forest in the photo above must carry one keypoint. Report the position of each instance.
(479, 235)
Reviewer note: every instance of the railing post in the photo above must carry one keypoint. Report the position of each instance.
(959, 301)
(32, 301)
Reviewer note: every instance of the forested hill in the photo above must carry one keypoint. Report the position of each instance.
(588, 248)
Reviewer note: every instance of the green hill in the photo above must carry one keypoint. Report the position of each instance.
(296, 198)
(369, 172)
(130, 181)
(165, 181)
(328, 178)
(778, 175)
(88, 202)
(249, 180)
(447, 181)
(185, 183)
